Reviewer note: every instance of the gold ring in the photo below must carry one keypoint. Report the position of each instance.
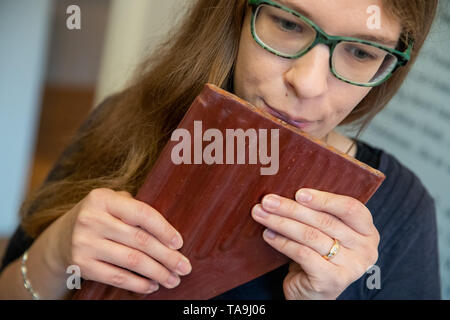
(333, 251)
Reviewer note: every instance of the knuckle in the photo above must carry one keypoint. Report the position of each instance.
(94, 197)
(125, 193)
(133, 260)
(310, 235)
(326, 222)
(142, 238)
(117, 279)
(98, 193)
(87, 218)
(351, 207)
(84, 218)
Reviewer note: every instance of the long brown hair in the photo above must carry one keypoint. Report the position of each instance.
(118, 146)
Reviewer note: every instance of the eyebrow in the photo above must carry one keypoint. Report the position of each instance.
(382, 40)
(296, 8)
(378, 39)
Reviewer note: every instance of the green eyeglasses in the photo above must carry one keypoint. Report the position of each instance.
(288, 34)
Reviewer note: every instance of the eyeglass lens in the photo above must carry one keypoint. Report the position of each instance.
(289, 35)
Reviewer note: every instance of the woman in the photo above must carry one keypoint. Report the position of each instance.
(277, 56)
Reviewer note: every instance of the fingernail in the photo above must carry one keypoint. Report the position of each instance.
(258, 211)
(173, 280)
(184, 267)
(177, 242)
(271, 202)
(153, 287)
(269, 234)
(303, 196)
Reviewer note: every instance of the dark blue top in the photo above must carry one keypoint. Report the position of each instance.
(404, 214)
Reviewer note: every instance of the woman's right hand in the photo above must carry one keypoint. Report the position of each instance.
(108, 233)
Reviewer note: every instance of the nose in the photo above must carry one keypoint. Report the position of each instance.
(308, 75)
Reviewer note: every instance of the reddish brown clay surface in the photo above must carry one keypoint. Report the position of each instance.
(210, 205)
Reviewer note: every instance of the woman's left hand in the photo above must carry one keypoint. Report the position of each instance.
(305, 230)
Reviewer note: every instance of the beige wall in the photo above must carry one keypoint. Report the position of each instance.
(134, 27)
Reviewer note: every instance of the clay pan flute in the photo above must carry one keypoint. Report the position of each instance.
(210, 204)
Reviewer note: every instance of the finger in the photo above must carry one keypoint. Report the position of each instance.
(294, 230)
(325, 222)
(136, 261)
(138, 238)
(351, 211)
(309, 260)
(337, 272)
(356, 243)
(118, 277)
(138, 213)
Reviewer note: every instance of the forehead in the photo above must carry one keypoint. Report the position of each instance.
(350, 18)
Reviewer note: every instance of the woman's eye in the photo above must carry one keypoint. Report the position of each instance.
(360, 54)
(287, 25)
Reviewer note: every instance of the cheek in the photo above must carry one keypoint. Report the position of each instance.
(254, 67)
(249, 69)
(346, 98)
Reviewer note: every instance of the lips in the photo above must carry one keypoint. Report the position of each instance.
(298, 122)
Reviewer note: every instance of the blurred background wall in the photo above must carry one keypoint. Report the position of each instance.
(24, 34)
(52, 77)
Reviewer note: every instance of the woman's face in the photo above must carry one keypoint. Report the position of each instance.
(305, 88)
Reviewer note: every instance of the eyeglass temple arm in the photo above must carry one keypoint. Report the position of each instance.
(406, 55)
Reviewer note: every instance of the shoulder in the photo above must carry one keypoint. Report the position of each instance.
(404, 214)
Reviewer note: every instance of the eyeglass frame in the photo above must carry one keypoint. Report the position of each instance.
(331, 41)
